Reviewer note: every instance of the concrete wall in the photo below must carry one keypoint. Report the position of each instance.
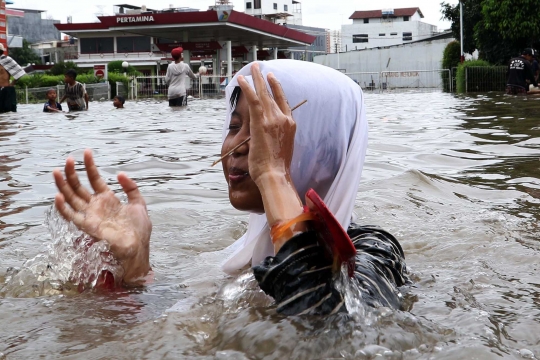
(406, 59)
(33, 28)
(383, 33)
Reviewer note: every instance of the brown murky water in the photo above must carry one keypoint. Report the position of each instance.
(456, 179)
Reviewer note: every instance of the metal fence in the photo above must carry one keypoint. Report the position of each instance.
(367, 80)
(433, 79)
(485, 78)
(202, 87)
(409, 79)
(96, 92)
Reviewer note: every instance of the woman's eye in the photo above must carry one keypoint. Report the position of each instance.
(234, 127)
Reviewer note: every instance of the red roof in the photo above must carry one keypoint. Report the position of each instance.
(377, 14)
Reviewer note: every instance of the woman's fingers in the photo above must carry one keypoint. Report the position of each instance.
(131, 189)
(98, 184)
(260, 87)
(255, 106)
(279, 95)
(67, 213)
(73, 180)
(72, 199)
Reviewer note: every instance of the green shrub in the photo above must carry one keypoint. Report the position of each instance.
(40, 80)
(60, 68)
(451, 55)
(89, 79)
(116, 68)
(117, 78)
(460, 76)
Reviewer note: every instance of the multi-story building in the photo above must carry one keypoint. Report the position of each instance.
(32, 26)
(378, 28)
(289, 13)
(277, 11)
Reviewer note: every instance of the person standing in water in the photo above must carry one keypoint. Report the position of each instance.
(177, 73)
(74, 92)
(520, 74)
(322, 148)
(8, 68)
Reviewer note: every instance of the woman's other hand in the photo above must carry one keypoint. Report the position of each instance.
(126, 227)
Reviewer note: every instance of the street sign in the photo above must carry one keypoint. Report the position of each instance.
(100, 71)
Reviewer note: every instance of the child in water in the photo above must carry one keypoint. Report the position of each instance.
(271, 158)
(52, 105)
(75, 93)
(118, 102)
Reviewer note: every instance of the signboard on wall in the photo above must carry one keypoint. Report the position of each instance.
(100, 71)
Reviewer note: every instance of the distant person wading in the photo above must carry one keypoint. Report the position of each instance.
(8, 68)
(175, 78)
(520, 74)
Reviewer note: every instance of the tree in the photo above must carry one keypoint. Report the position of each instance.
(60, 68)
(472, 14)
(498, 29)
(24, 55)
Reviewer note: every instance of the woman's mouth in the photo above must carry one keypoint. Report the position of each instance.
(237, 175)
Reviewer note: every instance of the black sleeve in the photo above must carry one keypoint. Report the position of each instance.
(301, 280)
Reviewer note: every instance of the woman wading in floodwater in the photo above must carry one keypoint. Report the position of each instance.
(322, 148)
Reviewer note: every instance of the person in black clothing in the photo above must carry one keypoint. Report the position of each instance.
(520, 74)
(271, 158)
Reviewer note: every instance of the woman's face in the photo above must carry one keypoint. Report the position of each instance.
(243, 192)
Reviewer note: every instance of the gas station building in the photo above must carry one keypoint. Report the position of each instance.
(222, 39)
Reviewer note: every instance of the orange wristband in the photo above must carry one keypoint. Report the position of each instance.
(282, 230)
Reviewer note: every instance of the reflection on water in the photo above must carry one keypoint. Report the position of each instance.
(454, 178)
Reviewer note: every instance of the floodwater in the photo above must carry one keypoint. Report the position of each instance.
(456, 179)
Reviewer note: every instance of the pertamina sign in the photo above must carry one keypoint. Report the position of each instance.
(134, 19)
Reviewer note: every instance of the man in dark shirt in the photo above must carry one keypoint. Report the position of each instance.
(520, 73)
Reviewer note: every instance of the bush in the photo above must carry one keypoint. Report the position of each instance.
(451, 55)
(117, 78)
(461, 78)
(115, 67)
(40, 80)
(60, 68)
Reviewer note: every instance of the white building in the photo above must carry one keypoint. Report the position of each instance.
(377, 28)
(277, 11)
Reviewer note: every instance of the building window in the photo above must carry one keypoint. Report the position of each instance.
(286, 7)
(248, 5)
(275, 6)
(406, 18)
(257, 4)
(360, 38)
(366, 21)
(393, 34)
(133, 44)
(3, 36)
(382, 34)
(2, 24)
(407, 36)
(97, 45)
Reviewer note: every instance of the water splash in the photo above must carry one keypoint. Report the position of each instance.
(73, 262)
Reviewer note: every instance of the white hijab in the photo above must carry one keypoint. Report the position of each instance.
(329, 147)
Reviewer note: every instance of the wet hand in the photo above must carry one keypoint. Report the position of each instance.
(126, 227)
(272, 127)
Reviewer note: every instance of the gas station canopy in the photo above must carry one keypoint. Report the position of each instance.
(196, 26)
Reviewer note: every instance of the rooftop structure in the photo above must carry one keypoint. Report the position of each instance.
(276, 11)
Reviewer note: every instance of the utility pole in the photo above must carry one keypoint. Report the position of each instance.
(461, 29)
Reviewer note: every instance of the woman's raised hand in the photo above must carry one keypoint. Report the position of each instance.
(126, 227)
(272, 127)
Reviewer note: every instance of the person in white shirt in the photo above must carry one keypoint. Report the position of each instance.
(177, 74)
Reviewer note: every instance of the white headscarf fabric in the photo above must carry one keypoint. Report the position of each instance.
(329, 146)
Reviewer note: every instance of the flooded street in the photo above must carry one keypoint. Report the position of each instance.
(456, 179)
